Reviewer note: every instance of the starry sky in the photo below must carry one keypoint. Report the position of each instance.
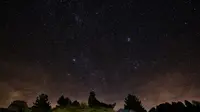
(145, 47)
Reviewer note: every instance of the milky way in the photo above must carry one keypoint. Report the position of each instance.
(70, 47)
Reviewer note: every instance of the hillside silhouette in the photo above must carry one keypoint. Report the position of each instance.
(131, 104)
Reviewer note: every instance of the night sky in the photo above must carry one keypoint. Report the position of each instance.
(145, 47)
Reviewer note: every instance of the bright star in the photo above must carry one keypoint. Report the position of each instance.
(73, 59)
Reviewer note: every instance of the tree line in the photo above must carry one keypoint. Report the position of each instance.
(131, 102)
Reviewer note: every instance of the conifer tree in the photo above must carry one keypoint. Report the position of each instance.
(133, 103)
(41, 104)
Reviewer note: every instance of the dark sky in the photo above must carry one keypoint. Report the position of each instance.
(146, 47)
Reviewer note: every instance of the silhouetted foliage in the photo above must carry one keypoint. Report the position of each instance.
(93, 102)
(165, 107)
(152, 109)
(41, 104)
(188, 104)
(63, 102)
(18, 106)
(133, 103)
(177, 107)
(83, 105)
(196, 105)
(76, 104)
(6, 110)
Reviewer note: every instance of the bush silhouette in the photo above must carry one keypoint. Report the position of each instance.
(93, 102)
(133, 103)
(63, 102)
(196, 105)
(41, 104)
(18, 106)
(83, 105)
(152, 109)
(76, 104)
(177, 107)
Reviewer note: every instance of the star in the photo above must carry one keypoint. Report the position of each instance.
(58, 45)
(74, 59)
(128, 39)
(186, 23)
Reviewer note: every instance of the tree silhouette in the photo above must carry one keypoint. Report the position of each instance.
(177, 107)
(189, 106)
(196, 103)
(152, 109)
(18, 106)
(83, 105)
(164, 107)
(93, 102)
(133, 103)
(41, 104)
(63, 102)
(76, 104)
